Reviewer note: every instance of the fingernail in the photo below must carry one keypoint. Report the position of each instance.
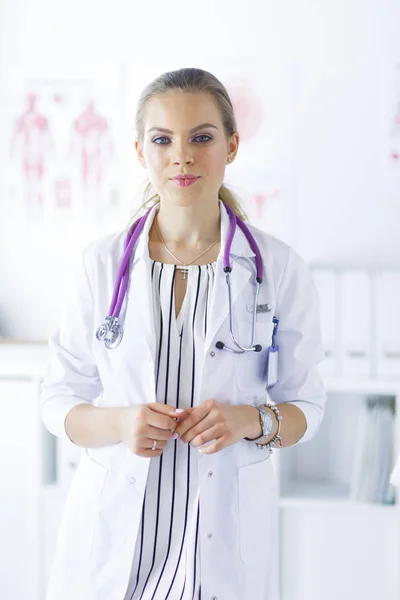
(175, 436)
(179, 410)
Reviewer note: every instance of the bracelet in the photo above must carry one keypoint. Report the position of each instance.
(277, 437)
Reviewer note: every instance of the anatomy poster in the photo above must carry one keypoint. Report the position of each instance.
(61, 148)
(394, 119)
(389, 146)
(262, 174)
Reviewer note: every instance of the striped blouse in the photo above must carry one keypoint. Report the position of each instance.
(166, 559)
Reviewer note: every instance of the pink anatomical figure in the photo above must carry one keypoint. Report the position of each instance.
(261, 199)
(30, 144)
(395, 122)
(395, 137)
(92, 140)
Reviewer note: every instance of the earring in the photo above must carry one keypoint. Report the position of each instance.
(229, 160)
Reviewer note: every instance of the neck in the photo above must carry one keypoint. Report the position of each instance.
(187, 226)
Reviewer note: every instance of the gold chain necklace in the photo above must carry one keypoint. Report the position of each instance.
(185, 266)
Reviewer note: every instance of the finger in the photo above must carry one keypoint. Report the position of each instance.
(217, 446)
(206, 435)
(148, 444)
(155, 433)
(161, 420)
(194, 417)
(165, 408)
(197, 429)
(151, 453)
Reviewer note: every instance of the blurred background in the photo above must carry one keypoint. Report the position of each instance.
(316, 91)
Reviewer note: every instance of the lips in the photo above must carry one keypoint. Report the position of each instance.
(184, 180)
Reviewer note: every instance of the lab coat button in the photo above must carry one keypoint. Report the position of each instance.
(209, 535)
(214, 598)
(210, 473)
(212, 353)
(132, 480)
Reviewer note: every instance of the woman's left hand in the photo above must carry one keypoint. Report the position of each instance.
(224, 423)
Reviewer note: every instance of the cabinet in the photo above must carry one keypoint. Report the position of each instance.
(21, 445)
(19, 498)
(332, 545)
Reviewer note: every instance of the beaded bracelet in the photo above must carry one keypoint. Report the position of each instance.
(277, 437)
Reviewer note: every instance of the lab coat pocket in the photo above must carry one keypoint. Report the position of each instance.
(257, 510)
(81, 509)
(250, 373)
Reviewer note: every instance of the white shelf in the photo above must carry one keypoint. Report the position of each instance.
(331, 504)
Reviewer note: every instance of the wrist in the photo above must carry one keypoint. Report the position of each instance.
(253, 423)
(255, 428)
(115, 419)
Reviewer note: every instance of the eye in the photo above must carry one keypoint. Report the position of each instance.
(157, 140)
(201, 138)
(204, 135)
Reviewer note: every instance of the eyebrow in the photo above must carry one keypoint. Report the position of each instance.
(190, 131)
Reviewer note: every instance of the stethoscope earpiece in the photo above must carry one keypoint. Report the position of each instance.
(256, 348)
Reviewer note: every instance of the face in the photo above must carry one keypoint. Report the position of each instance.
(184, 134)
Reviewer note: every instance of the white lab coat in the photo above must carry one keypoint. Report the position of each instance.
(239, 502)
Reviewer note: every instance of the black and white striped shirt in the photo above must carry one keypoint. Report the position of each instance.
(166, 560)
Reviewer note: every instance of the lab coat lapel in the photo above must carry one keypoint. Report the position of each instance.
(141, 306)
(139, 310)
(219, 309)
(240, 277)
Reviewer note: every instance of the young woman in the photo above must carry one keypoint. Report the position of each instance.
(175, 495)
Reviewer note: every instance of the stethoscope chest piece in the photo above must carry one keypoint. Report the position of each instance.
(111, 332)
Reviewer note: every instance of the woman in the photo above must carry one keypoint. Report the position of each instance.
(173, 497)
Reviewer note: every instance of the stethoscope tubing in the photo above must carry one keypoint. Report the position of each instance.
(112, 332)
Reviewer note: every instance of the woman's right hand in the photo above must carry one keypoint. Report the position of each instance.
(142, 424)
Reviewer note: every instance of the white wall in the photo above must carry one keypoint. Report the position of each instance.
(342, 53)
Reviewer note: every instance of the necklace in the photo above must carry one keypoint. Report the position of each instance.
(185, 266)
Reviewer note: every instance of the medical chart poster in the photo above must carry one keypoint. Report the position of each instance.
(60, 147)
(262, 94)
(391, 150)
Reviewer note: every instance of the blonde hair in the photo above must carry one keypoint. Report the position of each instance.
(189, 80)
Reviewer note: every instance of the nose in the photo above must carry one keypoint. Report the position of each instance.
(183, 161)
(183, 156)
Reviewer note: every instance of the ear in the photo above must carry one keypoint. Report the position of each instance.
(139, 152)
(233, 146)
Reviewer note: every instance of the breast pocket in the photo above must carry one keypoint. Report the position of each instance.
(250, 372)
(81, 509)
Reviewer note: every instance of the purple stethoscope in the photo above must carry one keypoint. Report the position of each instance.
(111, 332)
